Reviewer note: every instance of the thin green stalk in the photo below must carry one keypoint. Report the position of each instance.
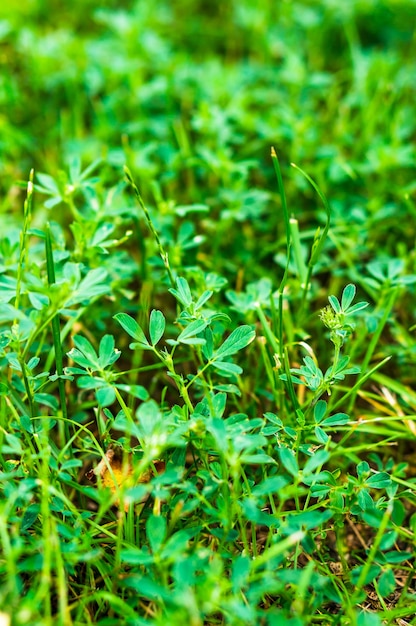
(9, 549)
(27, 216)
(302, 589)
(181, 385)
(359, 384)
(337, 354)
(109, 599)
(340, 542)
(297, 251)
(278, 172)
(226, 492)
(126, 411)
(385, 304)
(61, 580)
(371, 555)
(280, 325)
(117, 551)
(163, 254)
(277, 549)
(65, 332)
(319, 238)
(289, 382)
(271, 339)
(269, 371)
(29, 440)
(277, 347)
(45, 587)
(387, 308)
(28, 389)
(56, 334)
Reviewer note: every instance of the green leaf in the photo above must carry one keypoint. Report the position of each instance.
(219, 402)
(188, 335)
(7, 288)
(357, 307)
(91, 382)
(363, 468)
(156, 326)
(208, 348)
(49, 185)
(107, 354)
(137, 493)
(183, 210)
(105, 396)
(240, 571)
(380, 480)
(228, 388)
(216, 427)
(229, 368)
(396, 557)
(182, 292)
(338, 419)
(348, 296)
(94, 284)
(47, 399)
(388, 540)
(137, 391)
(33, 362)
(387, 583)
(149, 417)
(4, 390)
(368, 619)
(239, 338)
(253, 513)
(319, 411)
(84, 354)
(319, 458)
(308, 519)
(337, 500)
(203, 299)
(146, 587)
(257, 459)
(71, 463)
(371, 574)
(270, 485)
(132, 328)
(134, 556)
(14, 444)
(288, 461)
(334, 302)
(321, 435)
(176, 545)
(156, 531)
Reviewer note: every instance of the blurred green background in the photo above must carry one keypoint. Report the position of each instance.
(201, 90)
(192, 95)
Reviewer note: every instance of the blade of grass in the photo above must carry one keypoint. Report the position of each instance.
(163, 254)
(359, 383)
(319, 238)
(56, 335)
(27, 216)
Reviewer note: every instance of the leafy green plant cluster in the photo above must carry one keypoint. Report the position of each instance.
(207, 412)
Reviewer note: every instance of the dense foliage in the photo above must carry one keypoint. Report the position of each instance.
(207, 404)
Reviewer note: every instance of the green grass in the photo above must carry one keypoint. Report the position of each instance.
(207, 382)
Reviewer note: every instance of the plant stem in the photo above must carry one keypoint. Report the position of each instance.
(56, 334)
(163, 254)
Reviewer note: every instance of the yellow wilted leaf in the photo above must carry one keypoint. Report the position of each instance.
(121, 473)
